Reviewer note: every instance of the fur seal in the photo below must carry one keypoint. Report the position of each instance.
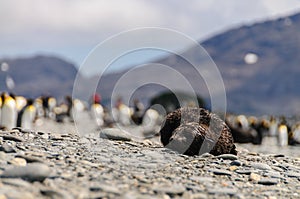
(193, 131)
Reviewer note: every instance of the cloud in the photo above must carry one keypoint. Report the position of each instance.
(73, 27)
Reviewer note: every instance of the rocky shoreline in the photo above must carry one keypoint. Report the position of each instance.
(36, 164)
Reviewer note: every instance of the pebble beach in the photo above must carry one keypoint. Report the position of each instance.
(55, 161)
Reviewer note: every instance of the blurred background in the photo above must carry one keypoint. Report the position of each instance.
(254, 43)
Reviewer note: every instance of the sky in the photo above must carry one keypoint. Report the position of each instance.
(72, 28)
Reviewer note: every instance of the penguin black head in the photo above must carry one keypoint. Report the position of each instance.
(12, 95)
(3, 96)
(29, 102)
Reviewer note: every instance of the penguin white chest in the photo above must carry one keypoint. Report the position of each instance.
(282, 135)
(28, 117)
(9, 114)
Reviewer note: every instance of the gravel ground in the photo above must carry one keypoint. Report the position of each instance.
(55, 161)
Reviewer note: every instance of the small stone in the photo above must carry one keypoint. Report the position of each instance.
(202, 179)
(292, 174)
(207, 155)
(7, 148)
(233, 168)
(278, 156)
(268, 181)
(29, 159)
(198, 196)
(106, 188)
(254, 177)
(55, 137)
(221, 172)
(228, 157)
(261, 166)
(52, 193)
(31, 172)
(27, 131)
(169, 189)
(236, 163)
(244, 171)
(115, 134)
(15, 182)
(18, 162)
(226, 191)
(274, 174)
(13, 138)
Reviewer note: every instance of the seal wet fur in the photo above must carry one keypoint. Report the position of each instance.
(192, 131)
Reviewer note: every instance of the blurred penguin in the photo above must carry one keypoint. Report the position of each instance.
(97, 111)
(20, 102)
(151, 123)
(51, 105)
(138, 112)
(122, 113)
(8, 111)
(273, 126)
(27, 115)
(1, 127)
(242, 122)
(282, 135)
(294, 135)
(242, 132)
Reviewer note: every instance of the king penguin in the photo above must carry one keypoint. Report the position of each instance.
(0, 107)
(27, 115)
(282, 135)
(97, 113)
(0, 112)
(8, 111)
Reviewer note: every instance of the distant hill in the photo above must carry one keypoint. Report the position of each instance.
(38, 75)
(269, 86)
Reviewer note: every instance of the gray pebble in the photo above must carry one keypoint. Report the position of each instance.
(7, 148)
(202, 179)
(15, 182)
(55, 194)
(261, 166)
(169, 189)
(244, 171)
(115, 134)
(292, 174)
(13, 138)
(226, 191)
(228, 157)
(274, 174)
(236, 163)
(29, 158)
(221, 172)
(268, 181)
(106, 188)
(31, 172)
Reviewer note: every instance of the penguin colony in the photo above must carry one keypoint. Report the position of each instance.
(190, 131)
(17, 111)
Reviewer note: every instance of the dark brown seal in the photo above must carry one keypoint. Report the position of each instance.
(193, 131)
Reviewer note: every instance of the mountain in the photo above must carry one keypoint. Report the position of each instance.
(271, 84)
(38, 75)
(268, 83)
